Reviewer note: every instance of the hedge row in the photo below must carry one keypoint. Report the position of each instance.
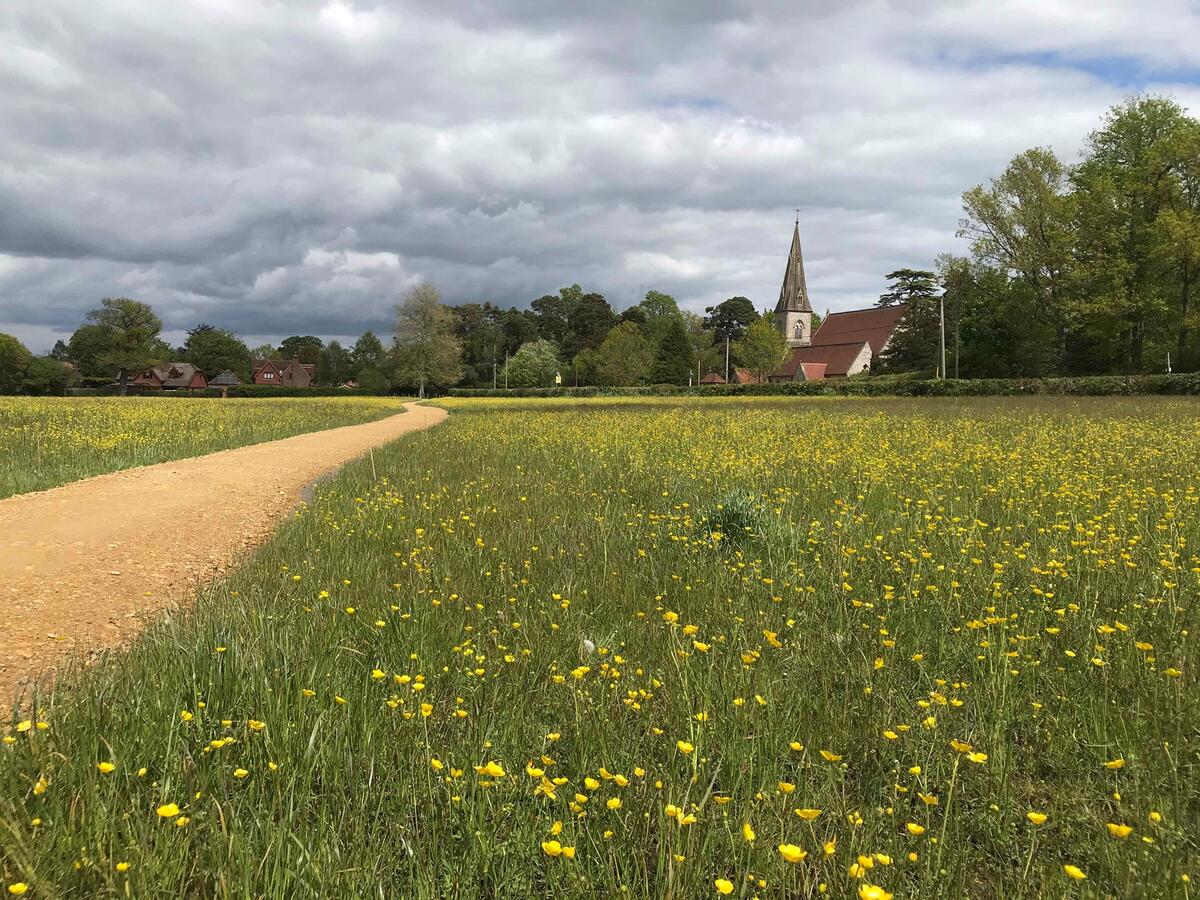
(1091, 386)
(237, 390)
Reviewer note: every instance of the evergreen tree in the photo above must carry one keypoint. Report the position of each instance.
(915, 344)
(674, 359)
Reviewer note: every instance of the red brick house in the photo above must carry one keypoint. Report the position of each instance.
(283, 372)
(171, 377)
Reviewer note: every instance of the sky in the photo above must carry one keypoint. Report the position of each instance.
(286, 167)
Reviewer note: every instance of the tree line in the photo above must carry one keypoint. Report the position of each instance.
(1078, 269)
(122, 337)
(1084, 269)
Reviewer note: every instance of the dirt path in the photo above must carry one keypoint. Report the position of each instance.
(81, 565)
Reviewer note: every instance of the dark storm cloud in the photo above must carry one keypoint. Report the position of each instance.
(278, 167)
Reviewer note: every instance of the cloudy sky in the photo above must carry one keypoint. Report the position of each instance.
(292, 166)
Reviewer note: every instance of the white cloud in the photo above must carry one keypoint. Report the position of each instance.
(295, 165)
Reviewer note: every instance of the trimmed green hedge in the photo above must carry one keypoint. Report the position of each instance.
(237, 390)
(895, 386)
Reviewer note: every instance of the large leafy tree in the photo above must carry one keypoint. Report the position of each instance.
(425, 349)
(661, 311)
(533, 365)
(730, 318)
(624, 357)
(86, 346)
(1177, 233)
(214, 350)
(590, 321)
(14, 361)
(133, 337)
(1024, 225)
(762, 348)
(1122, 186)
(304, 347)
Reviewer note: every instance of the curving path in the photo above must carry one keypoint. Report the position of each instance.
(83, 564)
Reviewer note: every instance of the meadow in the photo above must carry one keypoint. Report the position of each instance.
(48, 441)
(756, 648)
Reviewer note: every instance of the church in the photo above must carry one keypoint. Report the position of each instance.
(845, 343)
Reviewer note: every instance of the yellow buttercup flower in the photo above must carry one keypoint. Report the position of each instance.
(791, 853)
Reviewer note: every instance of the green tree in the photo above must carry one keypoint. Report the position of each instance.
(585, 367)
(214, 350)
(60, 352)
(709, 354)
(625, 356)
(265, 351)
(335, 365)
(133, 330)
(1122, 185)
(368, 352)
(86, 346)
(661, 310)
(1177, 232)
(305, 348)
(1024, 225)
(916, 343)
(590, 321)
(553, 313)
(534, 365)
(730, 318)
(14, 361)
(46, 376)
(762, 348)
(373, 381)
(674, 359)
(425, 349)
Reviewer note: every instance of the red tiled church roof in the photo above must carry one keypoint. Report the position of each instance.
(874, 325)
(835, 359)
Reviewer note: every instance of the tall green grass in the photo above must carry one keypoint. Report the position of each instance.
(48, 441)
(597, 589)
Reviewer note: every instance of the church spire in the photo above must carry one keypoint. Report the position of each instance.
(793, 296)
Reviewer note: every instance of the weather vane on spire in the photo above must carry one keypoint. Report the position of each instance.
(797, 217)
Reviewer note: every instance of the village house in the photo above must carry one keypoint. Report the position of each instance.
(846, 343)
(285, 373)
(177, 376)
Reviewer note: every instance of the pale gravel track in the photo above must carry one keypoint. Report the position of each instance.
(83, 566)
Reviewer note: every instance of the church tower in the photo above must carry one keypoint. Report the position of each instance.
(793, 314)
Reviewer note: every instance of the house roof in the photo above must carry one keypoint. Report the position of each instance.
(836, 359)
(874, 325)
(793, 295)
(742, 375)
(226, 377)
(813, 371)
(712, 378)
(176, 374)
(279, 365)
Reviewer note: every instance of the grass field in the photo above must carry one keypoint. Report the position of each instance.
(48, 441)
(671, 649)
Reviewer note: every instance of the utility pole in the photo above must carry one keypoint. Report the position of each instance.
(506, 370)
(942, 308)
(727, 357)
